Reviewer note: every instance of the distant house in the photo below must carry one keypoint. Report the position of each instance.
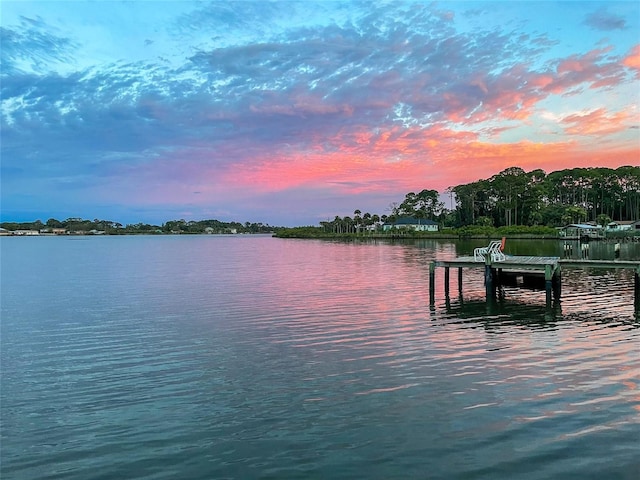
(623, 225)
(412, 223)
(4, 232)
(582, 230)
(53, 231)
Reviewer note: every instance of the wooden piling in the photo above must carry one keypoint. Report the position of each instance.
(489, 284)
(548, 282)
(636, 281)
(432, 283)
(446, 282)
(557, 283)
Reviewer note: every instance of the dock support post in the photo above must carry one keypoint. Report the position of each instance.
(488, 282)
(636, 289)
(459, 279)
(446, 282)
(557, 283)
(548, 282)
(432, 283)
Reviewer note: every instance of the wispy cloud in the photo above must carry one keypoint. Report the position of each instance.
(602, 19)
(33, 47)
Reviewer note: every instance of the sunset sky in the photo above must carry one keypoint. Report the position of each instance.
(290, 113)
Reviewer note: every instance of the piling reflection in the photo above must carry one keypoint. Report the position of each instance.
(499, 312)
(509, 308)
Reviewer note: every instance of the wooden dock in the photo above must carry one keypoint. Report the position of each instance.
(547, 269)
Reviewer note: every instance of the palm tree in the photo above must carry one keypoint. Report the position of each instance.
(337, 224)
(348, 224)
(366, 218)
(375, 220)
(357, 219)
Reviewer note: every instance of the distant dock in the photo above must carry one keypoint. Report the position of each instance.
(526, 271)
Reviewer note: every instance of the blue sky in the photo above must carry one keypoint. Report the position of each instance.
(290, 113)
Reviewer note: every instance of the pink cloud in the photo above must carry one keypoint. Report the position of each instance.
(514, 93)
(540, 81)
(420, 158)
(593, 68)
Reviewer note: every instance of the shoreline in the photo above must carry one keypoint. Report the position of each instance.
(408, 236)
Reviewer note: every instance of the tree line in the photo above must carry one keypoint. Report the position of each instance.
(79, 225)
(514, 198)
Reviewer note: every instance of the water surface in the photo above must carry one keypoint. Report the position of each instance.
(252, 357)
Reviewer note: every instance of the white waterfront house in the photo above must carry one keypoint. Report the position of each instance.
(411, 223)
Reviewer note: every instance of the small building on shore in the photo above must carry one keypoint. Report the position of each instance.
(582, 231)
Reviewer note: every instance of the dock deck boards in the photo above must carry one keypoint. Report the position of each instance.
(511, 261)
(599, 263)
(539, 263)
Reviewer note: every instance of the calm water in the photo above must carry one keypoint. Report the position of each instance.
(212, 357)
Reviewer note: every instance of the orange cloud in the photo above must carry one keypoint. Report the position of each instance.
(633, 59)
(596, 122)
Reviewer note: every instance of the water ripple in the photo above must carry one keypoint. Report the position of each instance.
(285, 359)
